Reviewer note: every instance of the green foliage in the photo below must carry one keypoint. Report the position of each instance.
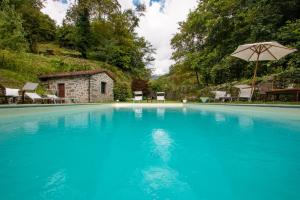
(18, 67)
(140, 85)
(155, 86)
(97, 30)
(121, 91)
(106, 33)
(12, 35)
(83, 28)
(203, 45)
(38, 27)
(66, 36)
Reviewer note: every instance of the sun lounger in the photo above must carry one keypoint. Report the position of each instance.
(160, 96)
(220, 95)
(30, 86)
(245, 93)
(34, 97)
(11, 94)
(56, 99)
(138, 96)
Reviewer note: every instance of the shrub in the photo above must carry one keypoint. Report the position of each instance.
(121, 91)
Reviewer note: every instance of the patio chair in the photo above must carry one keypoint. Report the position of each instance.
(160, 96)
(263, 88)
(245, 93)
(138, 96)
(35, 97)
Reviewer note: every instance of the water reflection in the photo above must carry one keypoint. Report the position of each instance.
(245, 122)
(184, 110)
(220, 117)
(204, 112)
(162, 143)
(79, 120)
(157, 177)
(138, 113)
(31, 127)
(55, 186)
(160, 176)
(160, 112)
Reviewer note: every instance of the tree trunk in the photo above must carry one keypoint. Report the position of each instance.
(198, 80)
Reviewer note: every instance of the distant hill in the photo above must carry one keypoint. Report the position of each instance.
(155, 77)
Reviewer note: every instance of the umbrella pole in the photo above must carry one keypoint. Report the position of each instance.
(254, 78)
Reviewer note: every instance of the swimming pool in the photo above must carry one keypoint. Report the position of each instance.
(190, 152)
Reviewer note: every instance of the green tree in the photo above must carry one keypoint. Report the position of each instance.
(12, 35)
(212, 32)
(83, 28)
(121, 91)
(106, 33)
(66, 36)
(38, 26)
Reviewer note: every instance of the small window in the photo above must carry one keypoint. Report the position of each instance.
(103, 87)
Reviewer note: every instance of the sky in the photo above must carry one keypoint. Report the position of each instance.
(158, 25)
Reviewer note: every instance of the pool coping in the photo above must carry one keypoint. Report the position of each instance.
(149, 105)
(250, 105)
(42, 105)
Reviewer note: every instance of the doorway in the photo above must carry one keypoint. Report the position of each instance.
(61, 90)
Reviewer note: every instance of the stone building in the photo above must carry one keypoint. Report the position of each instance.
(86, 86)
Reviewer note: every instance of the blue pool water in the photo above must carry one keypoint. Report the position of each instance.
(149, 153)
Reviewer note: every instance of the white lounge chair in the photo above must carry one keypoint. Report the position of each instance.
(138, 96)
(245, 93)
(11, 94)
(55, 98)
(220, 95)
(160, 96)
(34, 97)
(30, 86)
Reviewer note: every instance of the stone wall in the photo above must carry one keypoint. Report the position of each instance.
(77, 87)
(96, 95)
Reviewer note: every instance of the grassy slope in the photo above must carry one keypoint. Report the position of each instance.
(18, 68)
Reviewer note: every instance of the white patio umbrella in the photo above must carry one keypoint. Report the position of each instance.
(261, 52)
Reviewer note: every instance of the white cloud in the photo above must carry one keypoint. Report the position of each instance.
(126, 4)
(56, 9)
(158, 25)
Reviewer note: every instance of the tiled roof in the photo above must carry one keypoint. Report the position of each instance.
(75, 73)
